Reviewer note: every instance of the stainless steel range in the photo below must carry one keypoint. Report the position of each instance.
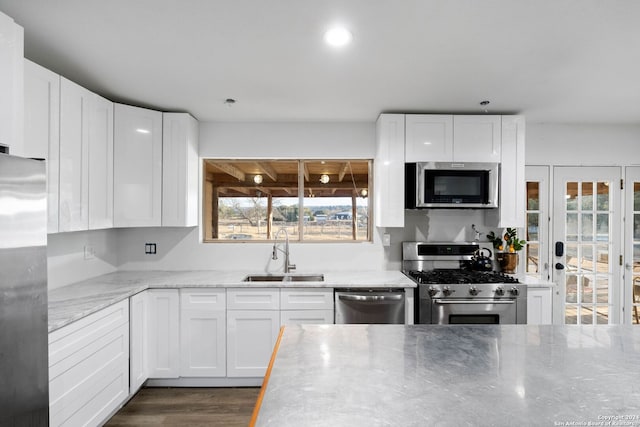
(452, 291)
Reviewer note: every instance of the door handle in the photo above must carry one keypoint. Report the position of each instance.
(369, 298)
(474, 301)
(559, 266)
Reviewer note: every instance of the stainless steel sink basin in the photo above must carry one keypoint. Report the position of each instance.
(305, 277)
(284, 278)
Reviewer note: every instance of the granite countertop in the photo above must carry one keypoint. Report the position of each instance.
(73, 302)
(454, 375)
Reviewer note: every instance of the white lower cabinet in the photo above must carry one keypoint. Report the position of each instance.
(250, 341)
(253, 324)
(203, 333)
(306, 305)
(139, 347)
(539, 306)
(164, 333)
(89, 368)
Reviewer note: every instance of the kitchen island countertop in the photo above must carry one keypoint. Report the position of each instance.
(75, 301)
(454, 375)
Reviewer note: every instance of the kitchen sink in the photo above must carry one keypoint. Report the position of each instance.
(284, 278)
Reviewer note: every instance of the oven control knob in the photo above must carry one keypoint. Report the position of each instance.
(499, 291)
(473, 290)
(515, 291)
(432, 291)
(447, 291)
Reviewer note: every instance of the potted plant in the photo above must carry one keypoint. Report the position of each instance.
(507, 249)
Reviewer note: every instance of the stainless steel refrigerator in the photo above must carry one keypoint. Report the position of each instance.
(24, 379)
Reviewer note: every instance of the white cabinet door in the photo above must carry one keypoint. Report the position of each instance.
(313, 317)
(137, 167)
(539, 309)
(476, 138)
(429, 138)
(179, 170)
(100, 163)
(203, 333)
(511, 210)
(251, 337)
(164, 333)
(74, 156)
(11, 84)
(388, 168)
(139, 332)
(42, 129)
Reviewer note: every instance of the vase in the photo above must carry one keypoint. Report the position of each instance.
(508, 262)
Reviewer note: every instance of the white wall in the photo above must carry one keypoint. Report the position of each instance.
(66, 261)
(287, 140)
(576, 145)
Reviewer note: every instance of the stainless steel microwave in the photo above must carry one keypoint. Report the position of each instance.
(451, 185)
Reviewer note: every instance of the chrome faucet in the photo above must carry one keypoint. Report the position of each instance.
(287, 266)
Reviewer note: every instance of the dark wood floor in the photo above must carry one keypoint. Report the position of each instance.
(188, 407)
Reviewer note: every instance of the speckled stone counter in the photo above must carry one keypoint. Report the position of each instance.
(70, 303)
(454, 375)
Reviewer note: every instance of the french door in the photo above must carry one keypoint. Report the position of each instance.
(586, 247)
(632, 246)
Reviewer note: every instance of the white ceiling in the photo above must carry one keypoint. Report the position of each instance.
(571, 61)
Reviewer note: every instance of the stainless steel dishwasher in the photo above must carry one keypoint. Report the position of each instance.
(369, 306)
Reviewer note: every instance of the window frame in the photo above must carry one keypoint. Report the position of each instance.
(207, 199)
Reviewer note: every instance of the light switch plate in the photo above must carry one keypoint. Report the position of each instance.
(89, 252)
(386, 239)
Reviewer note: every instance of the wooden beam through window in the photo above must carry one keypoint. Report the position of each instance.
(229, 169)
(267, 170)
(343, 170)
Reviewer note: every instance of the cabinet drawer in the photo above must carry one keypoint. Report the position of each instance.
(306, 299)
(253, 299)
(66, 343)
(313, 317)
(89, 367)
(203, 299)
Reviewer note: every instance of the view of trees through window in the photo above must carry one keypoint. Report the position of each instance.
(252, 200)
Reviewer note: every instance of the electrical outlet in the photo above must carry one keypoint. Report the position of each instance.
(386, 239)
(89, 252)
(150, 248)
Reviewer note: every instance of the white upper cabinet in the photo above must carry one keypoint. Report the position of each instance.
(476, 138)
(100, 163)
(452, 138)
(388, 168)
(11, 85)
(429, 138)
(42, 129)
(511, 210)
(179, 170)
(74, 156)
(137, 167)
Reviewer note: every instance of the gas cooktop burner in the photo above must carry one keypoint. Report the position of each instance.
(457, 276)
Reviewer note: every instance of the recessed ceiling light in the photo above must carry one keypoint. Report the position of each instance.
(338, 37)
(139, 130)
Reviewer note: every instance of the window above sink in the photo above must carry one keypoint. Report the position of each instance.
(250, 200)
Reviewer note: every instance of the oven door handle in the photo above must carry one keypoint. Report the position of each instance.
(473, 301)
(369, 298)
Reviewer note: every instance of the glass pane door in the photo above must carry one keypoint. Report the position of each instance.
(587, 224)
(632, 250)
(537, 262)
